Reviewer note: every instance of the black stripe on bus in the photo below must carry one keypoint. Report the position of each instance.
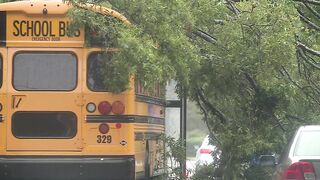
(149, 120)
(1, 118)
(147, 136)
(125, 119)
(110, 118)
(150, 99)
(3, 28)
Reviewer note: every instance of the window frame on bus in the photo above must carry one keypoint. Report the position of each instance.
(47, 52)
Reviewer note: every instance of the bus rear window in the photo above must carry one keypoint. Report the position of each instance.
(45, 71)
(44, 125)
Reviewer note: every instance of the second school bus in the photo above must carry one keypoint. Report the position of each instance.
(58, 120)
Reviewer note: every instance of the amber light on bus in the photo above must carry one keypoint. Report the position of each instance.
(104, 128)
(118, 107)
(104, 107)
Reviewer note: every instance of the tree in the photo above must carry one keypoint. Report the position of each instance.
(253, 87)
(156, 47)
(249, 65)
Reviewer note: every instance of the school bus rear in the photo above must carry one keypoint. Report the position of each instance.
(55, 120)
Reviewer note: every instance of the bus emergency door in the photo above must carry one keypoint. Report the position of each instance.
(44, 99)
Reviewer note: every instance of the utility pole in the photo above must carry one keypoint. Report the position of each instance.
(183, 130)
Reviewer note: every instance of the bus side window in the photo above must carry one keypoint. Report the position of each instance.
(96, 66)
(156, 90)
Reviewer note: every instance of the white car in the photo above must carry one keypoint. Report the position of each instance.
(300, 159)
(206, 153)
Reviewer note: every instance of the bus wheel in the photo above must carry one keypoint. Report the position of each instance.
(147, 162)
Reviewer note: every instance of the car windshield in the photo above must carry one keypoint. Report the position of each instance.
(308, 144)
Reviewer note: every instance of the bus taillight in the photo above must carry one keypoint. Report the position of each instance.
(118, 107)
(104, 107)
(118, 125)
(104, 128)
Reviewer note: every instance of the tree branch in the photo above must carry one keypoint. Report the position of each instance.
(290, 116)
(252, 82)
(206, 120)
(207, 37)
(305, 58)
(312, 59)
(307, 20)
(298, 86)
(312, 10)
(218, 21)
(306, 71)
(103, 10)
(289, 77)
(309, 50)
(313, 86)
(232, 7)
(223, 118)
(310, 1)
(278, 122)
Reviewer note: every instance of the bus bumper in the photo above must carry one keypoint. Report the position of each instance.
(67, 168)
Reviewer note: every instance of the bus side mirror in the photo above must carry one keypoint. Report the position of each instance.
(267, 160)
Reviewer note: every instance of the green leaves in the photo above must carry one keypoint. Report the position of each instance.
(251, 75)
(155, 48)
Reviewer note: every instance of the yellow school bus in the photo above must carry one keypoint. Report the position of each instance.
(58, 120)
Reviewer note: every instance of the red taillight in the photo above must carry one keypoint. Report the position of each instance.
(205, 151)
(118, 125)
(104, 107)
(103, 128)
(118, 107)
(300, 171)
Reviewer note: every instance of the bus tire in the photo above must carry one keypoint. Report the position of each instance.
(147, 162)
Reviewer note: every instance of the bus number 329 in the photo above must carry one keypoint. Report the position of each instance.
(104, 139)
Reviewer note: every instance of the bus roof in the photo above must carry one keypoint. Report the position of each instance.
(36, 7)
